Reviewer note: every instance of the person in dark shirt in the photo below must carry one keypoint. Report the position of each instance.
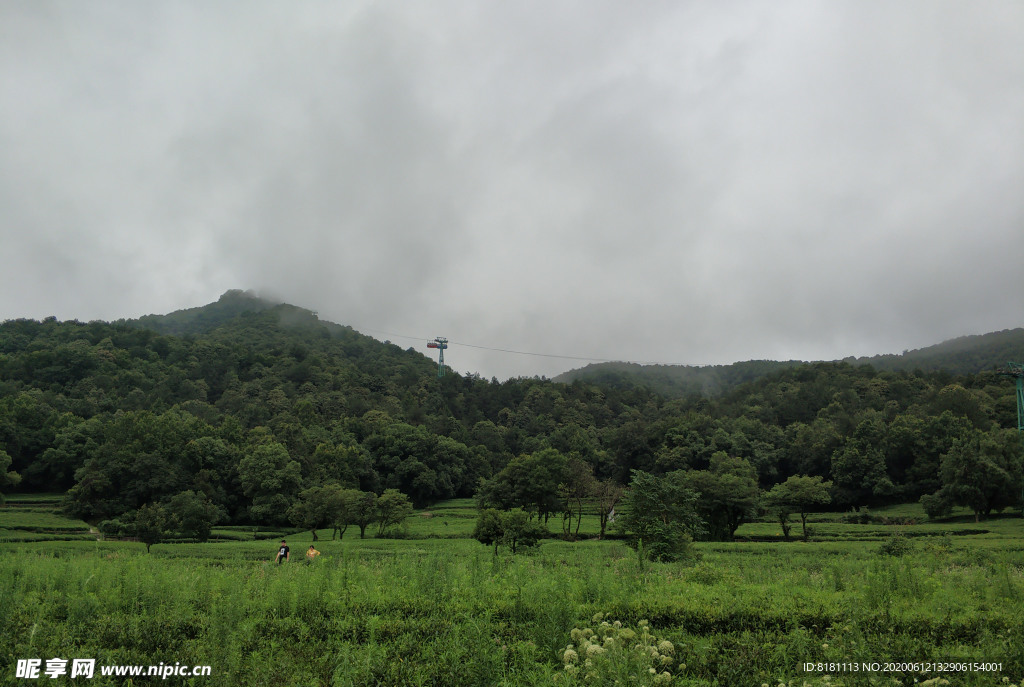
(282, 552)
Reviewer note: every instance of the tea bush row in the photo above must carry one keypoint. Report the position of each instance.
(447, 611)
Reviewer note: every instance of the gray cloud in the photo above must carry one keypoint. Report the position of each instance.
(673, 182)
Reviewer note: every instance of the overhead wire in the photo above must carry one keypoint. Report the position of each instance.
(530, 353)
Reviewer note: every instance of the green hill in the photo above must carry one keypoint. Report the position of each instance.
(675, 381)
(205, 318)
(248, 402)
(962, 356)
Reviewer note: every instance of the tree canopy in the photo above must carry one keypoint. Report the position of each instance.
(248, 404)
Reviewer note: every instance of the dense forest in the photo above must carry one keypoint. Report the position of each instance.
(248, 404)
(962, 356)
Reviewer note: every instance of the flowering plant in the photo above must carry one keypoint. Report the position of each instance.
(612, 654)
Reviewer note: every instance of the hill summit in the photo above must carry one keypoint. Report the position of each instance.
(961, 356)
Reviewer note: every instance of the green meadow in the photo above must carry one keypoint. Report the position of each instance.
(435, 607)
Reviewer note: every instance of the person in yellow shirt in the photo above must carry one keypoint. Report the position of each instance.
(311, 554)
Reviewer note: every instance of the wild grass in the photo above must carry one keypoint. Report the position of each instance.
(439, 610)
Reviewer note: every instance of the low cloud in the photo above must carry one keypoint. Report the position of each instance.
(670, 183)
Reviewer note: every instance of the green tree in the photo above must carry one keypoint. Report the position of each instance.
(347, 463)
(728, 494)
(489, 528)
(142, 458)
(512, 528)
(809, 447)
(151, 524)
(607, 493)
(529, 481)
(348, 506)
(192, 515)
(26, 430)
(317, 507)
(8, 478)
(574, 491)
(422, 464)
(74, 442)
(363, 511)
(859, 469)
(630, 447)
(937, 505)
(984, 472)
(923, 441)
(798, 494)
(963, 403)
(270, 479)
(660, 515)
(520, 529)
(393, 507)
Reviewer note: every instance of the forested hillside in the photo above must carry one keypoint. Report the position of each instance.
(245, 404)
(961, 356)
(675, 381)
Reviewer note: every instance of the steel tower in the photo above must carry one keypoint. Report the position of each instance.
(1016, 370)
(440, 343)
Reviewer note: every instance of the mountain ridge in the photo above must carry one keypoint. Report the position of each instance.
(968, 354)
(962, 355)
(122, 416)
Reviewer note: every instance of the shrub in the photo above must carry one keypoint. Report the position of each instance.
(512, 528)
(113, 528)
(857, 517)
(896, 545)
(937, 505)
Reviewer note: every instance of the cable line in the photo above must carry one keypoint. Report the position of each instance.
(531, 353)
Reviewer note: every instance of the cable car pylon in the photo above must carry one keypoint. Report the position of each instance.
(440, 343)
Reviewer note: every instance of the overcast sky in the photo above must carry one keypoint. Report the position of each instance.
(676, 182)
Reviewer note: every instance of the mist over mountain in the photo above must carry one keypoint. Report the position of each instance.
(961, 356)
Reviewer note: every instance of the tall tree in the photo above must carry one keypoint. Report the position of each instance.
(317, 507)
(348, 509)
(858, 468)
(529, 481)
(151, 524)
(192, 515)
(607, 493)
(512, 528)
(393, 507)
(660, 515)
(270, 479)
(574, 492)
(799, 494)
(8, 478)
(363, 511)
(727, 494)
(984, 472)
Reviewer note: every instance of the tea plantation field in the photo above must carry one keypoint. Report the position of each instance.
(943, 603)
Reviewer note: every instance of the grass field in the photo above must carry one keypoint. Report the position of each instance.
(437, 608)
